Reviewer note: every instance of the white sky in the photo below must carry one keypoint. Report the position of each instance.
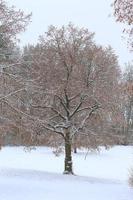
(91, 14)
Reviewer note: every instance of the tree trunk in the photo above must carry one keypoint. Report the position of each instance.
(75, 144)
(75, 149)
(68, 157)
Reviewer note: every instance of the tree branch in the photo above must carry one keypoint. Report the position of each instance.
(12, 93)
(52, 108)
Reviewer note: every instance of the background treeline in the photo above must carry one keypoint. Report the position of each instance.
(65, 92)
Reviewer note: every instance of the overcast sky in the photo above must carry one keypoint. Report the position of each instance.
(91, 14)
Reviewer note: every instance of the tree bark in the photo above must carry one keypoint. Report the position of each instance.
(75, 149)
(68, 157)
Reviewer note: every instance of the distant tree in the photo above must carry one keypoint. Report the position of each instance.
(74, 81)
(12, 22)
(123, 11)
(128, 103)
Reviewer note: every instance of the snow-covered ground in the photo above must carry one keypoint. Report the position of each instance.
(37, 175)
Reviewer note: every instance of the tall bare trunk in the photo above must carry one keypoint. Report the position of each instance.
(68, 157)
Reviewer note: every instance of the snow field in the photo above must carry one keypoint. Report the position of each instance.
(37, 175)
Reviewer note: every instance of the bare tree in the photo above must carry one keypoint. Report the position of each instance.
(12, 22)
(128, 103)
(74, 81)
(123, 11)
